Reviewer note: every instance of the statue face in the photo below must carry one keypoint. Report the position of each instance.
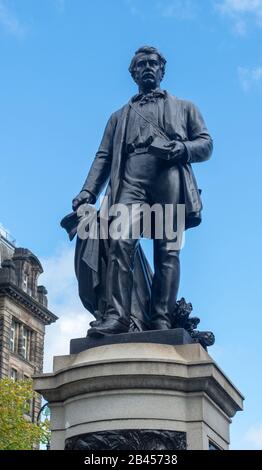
(148, 71)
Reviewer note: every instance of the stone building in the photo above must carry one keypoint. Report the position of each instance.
(23, 314)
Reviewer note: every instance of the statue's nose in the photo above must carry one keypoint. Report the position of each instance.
(148, 66)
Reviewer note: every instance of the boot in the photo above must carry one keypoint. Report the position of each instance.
(110, 326)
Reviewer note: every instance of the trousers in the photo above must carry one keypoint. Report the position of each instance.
(149, 180)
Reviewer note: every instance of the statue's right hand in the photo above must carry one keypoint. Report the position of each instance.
(84, 197)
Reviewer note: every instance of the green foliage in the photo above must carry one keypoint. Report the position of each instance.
(17, 432)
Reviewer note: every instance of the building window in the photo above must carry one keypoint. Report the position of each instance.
(13, 374)
(25, 282)
(29, 408)
(22, 340)
(26, 343)
(29, 404)
(14, 336)
(213, 446)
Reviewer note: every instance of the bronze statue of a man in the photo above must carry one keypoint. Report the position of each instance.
(145, 156)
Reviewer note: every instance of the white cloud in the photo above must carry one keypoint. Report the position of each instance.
(241, 11)
(249, 77)
(60, 4)
(180, 9)
(9, 22)
(254, 436)
(63, 301)
(241, 6)
(135, 7)
(240, 27)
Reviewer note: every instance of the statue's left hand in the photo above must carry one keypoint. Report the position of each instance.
(177, 150)
(84, 197)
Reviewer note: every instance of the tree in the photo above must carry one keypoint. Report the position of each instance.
(17, 431)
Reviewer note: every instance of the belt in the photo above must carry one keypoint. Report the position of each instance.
(137, 151)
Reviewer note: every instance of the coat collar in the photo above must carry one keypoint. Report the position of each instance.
(157, 93)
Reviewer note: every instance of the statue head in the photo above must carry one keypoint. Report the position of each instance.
(147, 67)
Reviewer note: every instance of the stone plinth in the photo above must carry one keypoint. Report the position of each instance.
(174, 337)
(153, 396)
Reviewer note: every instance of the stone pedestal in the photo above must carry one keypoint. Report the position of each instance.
(138, 396)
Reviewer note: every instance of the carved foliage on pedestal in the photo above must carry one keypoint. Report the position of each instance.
(128, 440)
(182, 320)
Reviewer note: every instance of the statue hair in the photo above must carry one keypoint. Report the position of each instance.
(146, 50)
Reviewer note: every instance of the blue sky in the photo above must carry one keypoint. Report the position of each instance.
(63, 72)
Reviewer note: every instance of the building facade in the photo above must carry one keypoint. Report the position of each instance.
(23, 314)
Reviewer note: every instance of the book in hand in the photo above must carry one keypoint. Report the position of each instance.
(159, 147)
